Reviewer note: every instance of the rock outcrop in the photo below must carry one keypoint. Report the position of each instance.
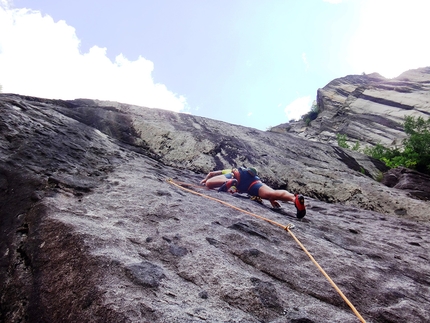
(368, 109)
(92, 231)
(321, 171)
(417, 184)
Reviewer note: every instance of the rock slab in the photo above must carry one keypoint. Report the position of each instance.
(93, 231)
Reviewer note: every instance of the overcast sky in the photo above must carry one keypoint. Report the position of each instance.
(256, 63)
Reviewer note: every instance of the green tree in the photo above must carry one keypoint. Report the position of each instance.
(417, 144)
(415, 152)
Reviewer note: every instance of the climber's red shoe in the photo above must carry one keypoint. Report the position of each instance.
(299, 203)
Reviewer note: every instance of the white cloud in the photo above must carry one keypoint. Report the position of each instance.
(6, 3)
(298, 107)
(392, 37)
(40, 57)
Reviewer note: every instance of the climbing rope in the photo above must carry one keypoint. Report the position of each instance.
(285, 227)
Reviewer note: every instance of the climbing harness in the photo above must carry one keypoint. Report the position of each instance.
(252, 184)
(285, 227)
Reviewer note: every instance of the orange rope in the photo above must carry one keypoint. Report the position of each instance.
(286, 228)
(328, 278)
(182, 184)
(227, 204)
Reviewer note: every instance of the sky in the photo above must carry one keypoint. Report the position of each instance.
(256, 63)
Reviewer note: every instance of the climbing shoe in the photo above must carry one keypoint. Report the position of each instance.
(229, 186)
(299, 203)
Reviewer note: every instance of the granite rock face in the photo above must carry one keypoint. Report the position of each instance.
(368, 109)
(321, 171)
(415, 183)
(92, 231)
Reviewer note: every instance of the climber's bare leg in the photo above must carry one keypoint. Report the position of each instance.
(216, 181)
(268, 193)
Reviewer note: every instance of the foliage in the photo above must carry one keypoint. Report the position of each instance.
(356, 146)
(341, 140)
(312, 114)
(380, 177)
(416, 147)
(414, 154)
(390, 156)
(378, 152)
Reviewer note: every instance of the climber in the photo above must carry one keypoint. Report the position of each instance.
(245, 180)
